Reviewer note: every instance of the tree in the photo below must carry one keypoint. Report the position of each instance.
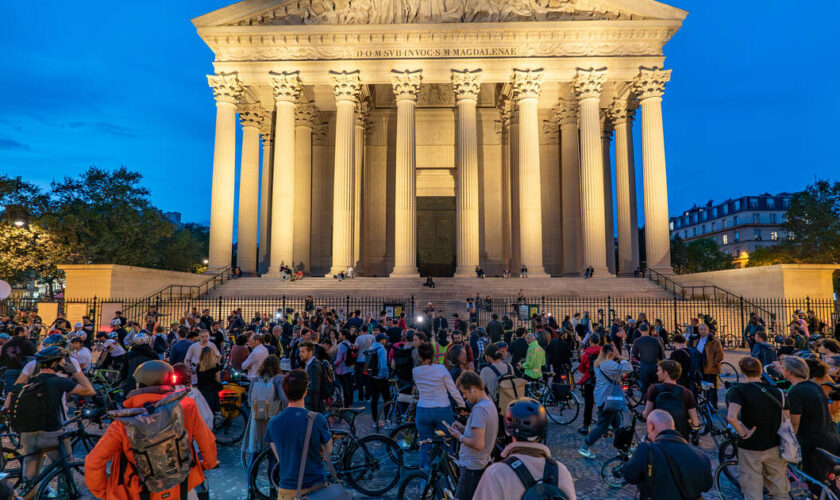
(28, 252)
(698, 256)
(679, 255)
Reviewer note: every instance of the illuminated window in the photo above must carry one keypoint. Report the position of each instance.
(774, 235)
(725, 239)
(672, 225)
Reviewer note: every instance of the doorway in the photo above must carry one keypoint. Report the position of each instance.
(436, 235)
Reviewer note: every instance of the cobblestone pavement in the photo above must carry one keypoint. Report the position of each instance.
(227, 482)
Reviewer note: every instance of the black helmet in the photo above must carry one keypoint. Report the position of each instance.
(154, 372)
(50, 354)
(525, 419)
(55, 339)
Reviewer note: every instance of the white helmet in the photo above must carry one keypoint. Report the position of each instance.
(141, 338)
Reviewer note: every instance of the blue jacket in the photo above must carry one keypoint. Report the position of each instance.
(383, 360)
(692, 465)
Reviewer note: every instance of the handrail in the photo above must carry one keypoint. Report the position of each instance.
(686, 292)
(193, 291)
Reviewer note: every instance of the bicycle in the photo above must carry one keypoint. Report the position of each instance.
(343, 418)
(625, 441)
(370, 465)
(561, 403)
(231, 421)
(399, 410)
(712, 420)
(440, 482)
(728, 374)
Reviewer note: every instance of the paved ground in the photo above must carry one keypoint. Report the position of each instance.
(228, 481)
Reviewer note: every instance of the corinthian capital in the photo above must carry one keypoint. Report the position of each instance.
(362, 113)
(286, 85)
(527, 83)
(346, 85)
(406, 83)
(650, 82)
(606, 124)
(305, 114)
(588, 83)
(250, 115)
(566, 112)
(320, 133)
(227, 87)
(621, 110)
(466, 84)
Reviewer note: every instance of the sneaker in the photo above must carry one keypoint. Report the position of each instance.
(584, 430)
(585, 452)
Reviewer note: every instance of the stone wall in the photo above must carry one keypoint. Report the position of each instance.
(782, 281)
(107, 281)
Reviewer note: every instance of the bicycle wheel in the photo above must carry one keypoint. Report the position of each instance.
(388, 416)
(633, 393)
(417, 485)
(340, 421)
(728, 451)
(726, 480)
(372, 465)
(229, 431)
(728, 374)
(263, 476)
(405, 436)
(65, 482)
(561, 412)
(611, 473)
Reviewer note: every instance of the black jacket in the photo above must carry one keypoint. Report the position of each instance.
(495, 330)
(313, 400)
(691, 465)
(559, 355)
(138, 355)
(518, 350)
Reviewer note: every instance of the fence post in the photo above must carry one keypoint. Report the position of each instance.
(609, 317)
(676, 319)
(284, 305)
(743, 324)
(220, 309)
(807, 304)
(93, 314)
(542, 306)
(412, 310)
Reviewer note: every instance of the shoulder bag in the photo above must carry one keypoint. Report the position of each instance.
(330, 491)
(614, 401)
(788, 444)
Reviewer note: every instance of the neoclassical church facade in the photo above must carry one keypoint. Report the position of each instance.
(406, 137)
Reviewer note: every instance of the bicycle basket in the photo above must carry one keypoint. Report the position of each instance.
(623, 438)
(562, 392)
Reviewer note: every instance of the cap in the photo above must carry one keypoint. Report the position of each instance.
(380, 337)
(78, 325)
(116, 322)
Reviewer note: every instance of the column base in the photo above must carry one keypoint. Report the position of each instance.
(535, 272)
(273, 273)
(465, 272)
(404, 272)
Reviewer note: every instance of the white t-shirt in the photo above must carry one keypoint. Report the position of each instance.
(254, 361)
(82, 356)
(113, 348)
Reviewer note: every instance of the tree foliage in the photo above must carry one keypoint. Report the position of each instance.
(698, 256)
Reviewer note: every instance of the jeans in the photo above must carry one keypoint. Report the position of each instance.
(588, 403)
(467, 483)
(378, 386)
(713, 378)
(346, 382)
(361, 381)
(11, 376)
(605, 419)
(760, 469)
(33, 442)
(427, 421)
(647, 376)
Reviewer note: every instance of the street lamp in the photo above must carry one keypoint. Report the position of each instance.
(20, 223)
(206, 262)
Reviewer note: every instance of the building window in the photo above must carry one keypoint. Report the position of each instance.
(756, 218)
(685, 234)
(737, 205)
(672, 225)
(774, 235)
(771, 203)
(757, 235)
(714, 226)
(786, 203)
(703, 231)
(725, 239)
(737, 236)
(734, 220)
(714, 238)
(714, 212)
(725, 209)
(694, 217)
(773, 218)
(753, 203)
(791, 235)
(694, 231)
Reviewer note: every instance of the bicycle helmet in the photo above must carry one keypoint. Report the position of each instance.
(525, 419)
(55, 339)
(49, 355)
(154, 372)
(141, 339)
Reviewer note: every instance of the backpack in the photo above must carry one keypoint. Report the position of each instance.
(669, 400)
(160, 344)
(544, 489)
(264, 401)
(351, 356)
(403, 362)
(29, 412)
(510, 387)
(159, 441)
(371, 363)
(328, 384)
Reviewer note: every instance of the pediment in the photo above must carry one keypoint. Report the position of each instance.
(349, 12)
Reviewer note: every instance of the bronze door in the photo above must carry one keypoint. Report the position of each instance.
(436, 235)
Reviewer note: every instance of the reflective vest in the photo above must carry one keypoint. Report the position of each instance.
(440, 352)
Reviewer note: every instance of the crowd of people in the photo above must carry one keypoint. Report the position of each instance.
(301, 364)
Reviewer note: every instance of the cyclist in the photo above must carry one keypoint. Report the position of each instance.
(755, 412)
(609, 367)
(649, 351)
(140, 352)
(153, 380)
(526, 422)
(14, 354)
(712, 351)
(534, 360)
(80, 353)
(666, 466)
(39, 410)
(434, 384)
(477, 437)
(667, 395)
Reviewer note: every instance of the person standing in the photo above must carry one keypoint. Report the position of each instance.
(761, 350)
(363, 344)
(14, 354)
(667, 395)
(649, 351)
(755, 412)
(344, 367)
(609, 367)
(254, 361)
(314, 396)
(534, 359)
(495, 329)
(477, 437)
(712, 352)
(378, 375)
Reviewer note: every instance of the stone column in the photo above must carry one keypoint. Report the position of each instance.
(466, 84)
(346, 86)
(227, 89)
(504, 113)
(358, 192)
(526, 90)
(621, 113)
(249, 189)
(649, 86)
(267, 137)
(287, 89)
(587, 85)
(406, 87)
(515, 247)
(570, 185)
(609, 234)
(305, 116)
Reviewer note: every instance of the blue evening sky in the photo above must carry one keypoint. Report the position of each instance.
(752, 105)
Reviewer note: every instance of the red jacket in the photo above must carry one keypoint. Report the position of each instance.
(585, 361)
(113, 445)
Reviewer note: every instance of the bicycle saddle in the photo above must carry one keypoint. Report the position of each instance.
(354, 411)
(834, 458)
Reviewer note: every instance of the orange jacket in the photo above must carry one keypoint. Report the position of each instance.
(114, 445)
